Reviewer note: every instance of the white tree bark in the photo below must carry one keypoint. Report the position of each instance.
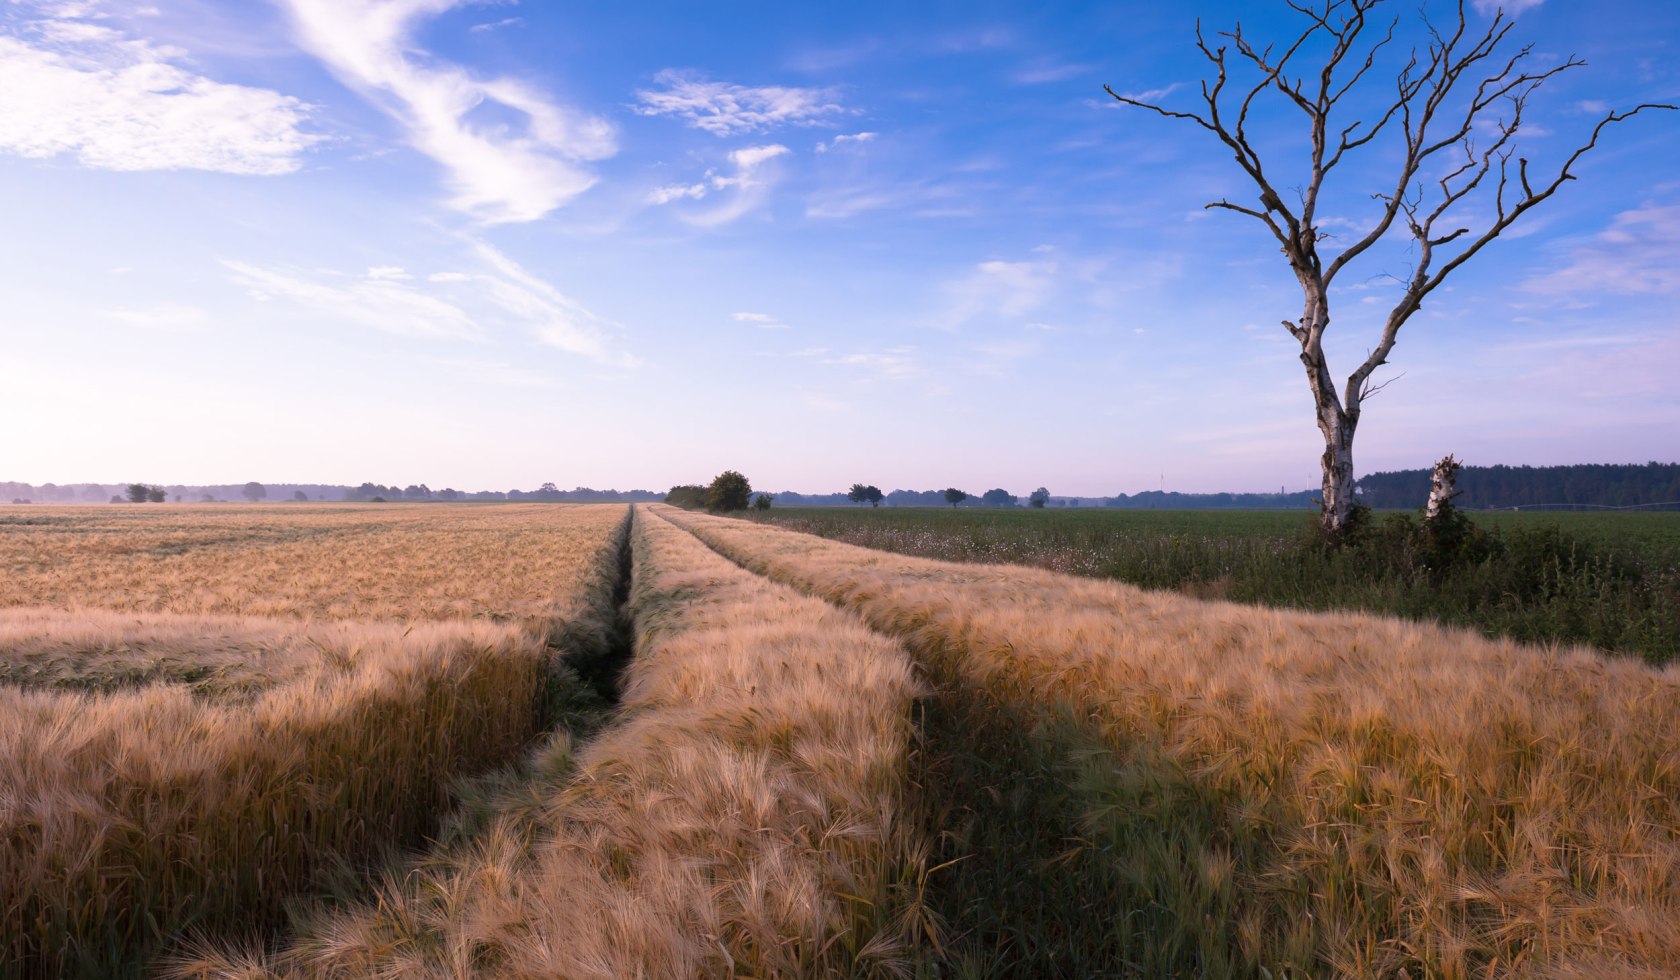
(1449, 139)
(1441, 486)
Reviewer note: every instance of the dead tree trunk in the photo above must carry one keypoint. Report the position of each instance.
(1441, 487)
(1453, 117)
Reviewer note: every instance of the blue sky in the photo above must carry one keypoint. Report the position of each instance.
(488, 245)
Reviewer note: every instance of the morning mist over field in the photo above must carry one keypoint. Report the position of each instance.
(492, 245)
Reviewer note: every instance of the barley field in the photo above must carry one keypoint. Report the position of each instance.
(1226, 790)
(1611, 580)
(594, 741)
(205, 713)
(741, 815)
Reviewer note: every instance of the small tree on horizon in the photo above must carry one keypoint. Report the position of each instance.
(253, 491)
(762, 504)
(729, 491)
(953, 496)
(1039, 498)
(858, 493)
(137, 493)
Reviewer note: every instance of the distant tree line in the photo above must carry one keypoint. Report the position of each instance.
(1585, 485)
(1173, 500)
(98, 493)
(1582, 485)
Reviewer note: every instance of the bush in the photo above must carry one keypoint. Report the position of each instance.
(729, 491)
(688, 496)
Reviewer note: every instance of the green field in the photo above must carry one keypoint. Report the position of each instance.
(1608, 579)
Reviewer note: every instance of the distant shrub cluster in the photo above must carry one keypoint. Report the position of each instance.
(728, 491)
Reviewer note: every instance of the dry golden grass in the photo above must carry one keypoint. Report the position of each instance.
(1312, 794)
(741, 816)
(97, 651)
(129, 816)
(326, 561)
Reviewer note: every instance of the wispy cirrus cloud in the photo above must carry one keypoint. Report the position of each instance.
(166, 317)
(498, 173)
(551, 316)
(846, 139)
(1000, 288)
(72, 84)
(750, 183)
(1045, 71)
(1487, 8)
(1639, 254)
(389, 305)
(763, 321)
(728, 109)
(496, 25)
(890, 364)
(499, 297)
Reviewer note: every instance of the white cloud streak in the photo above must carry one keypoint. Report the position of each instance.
(388, 305)
(1487, 8)
(892, 364)
(167, 317)
(763, 321)
(727, 109)
(457, 305)
(498, 173)
(1639, 254)
(551, 316)
(751, 183)
(489, 26)
(844, 138)
(118, 103)
(1000, 289)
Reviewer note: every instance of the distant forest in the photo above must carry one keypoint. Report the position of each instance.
(1582, 486)
(99, 493)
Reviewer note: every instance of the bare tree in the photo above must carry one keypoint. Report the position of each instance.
(1452, 119)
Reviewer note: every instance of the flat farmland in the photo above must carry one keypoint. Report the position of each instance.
(207, 711)
(385, 562)
(551, 740)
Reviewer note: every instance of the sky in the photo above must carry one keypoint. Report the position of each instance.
(489, 245)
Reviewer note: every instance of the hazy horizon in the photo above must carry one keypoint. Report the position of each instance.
(496, 245)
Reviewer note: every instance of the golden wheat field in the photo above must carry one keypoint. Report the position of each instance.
(1291, 794)
(208, 711)
(365, 741)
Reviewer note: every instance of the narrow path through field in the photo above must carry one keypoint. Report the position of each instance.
(1019, 887)
(1159, 786)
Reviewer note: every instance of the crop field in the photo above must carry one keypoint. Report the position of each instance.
(1608, 579)
(1167, 787)
(571, 741)
(205, 713)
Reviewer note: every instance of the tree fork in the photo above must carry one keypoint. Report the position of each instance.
(1433, 132)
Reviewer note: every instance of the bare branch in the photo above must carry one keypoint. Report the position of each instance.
(1454, 115)
(1532, 198)
(1169, 113)
(1370, 390)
